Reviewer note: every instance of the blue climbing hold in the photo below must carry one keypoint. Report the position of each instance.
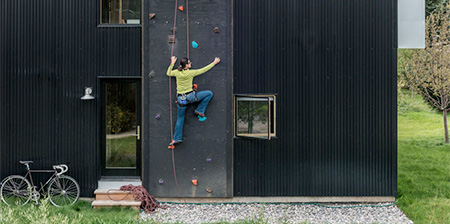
(194, 44)
(200, 118)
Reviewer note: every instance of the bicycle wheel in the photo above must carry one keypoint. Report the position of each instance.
(15, 190)
(63, 190)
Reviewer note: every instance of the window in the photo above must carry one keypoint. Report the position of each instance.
(120, 11)
(255, 116)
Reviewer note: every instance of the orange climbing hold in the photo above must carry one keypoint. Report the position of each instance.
(194, 182)
(181, 8)
(171, 147)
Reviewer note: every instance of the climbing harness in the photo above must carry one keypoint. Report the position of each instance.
(182, 100)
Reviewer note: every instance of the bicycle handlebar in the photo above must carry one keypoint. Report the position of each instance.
(61, 167)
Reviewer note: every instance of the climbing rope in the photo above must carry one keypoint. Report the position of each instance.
(139, 193)
(170, 87)
(148, 202)
(170, 81)
(187, 28)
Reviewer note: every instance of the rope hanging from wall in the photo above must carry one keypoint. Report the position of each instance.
(170, 84)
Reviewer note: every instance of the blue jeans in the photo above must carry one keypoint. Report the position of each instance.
(203, 97)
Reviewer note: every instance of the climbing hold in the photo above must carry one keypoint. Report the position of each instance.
(209, 190)
(194, 86)
(200, 118)
(181, 8)
(161, 181)
(152, 74)
(173, 28)
(157, 116)
(194, 182)
(194, 44)
(151, 16)
(171, 147)
(216, 29)
(171, 39)
(208, 160)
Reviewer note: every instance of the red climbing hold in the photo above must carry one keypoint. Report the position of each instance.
(171, 147)
(181, 8)
(194, 182)
(194, 86)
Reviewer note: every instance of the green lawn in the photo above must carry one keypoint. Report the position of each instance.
(423, 162)
(81, 212)
(121, 152)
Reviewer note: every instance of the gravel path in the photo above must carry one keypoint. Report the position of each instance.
(278, 213)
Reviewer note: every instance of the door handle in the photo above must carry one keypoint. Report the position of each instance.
(138, 132)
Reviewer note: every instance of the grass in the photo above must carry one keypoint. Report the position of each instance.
(423, 162)
(122, 152)
(81, 212)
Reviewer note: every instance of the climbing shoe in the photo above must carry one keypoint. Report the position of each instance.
(201, 117)
(174, 143)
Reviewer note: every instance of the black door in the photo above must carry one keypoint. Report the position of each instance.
(121, 127)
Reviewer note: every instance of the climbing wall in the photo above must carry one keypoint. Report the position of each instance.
(203, 160)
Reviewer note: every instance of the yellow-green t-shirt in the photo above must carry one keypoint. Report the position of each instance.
(185, 77)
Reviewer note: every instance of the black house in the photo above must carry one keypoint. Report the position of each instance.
(304, 97)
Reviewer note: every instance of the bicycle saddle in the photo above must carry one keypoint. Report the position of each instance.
(25, 162)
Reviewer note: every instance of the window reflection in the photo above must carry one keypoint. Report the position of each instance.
(120, 11)
(252, 116)
(120, 125)
(255, 116)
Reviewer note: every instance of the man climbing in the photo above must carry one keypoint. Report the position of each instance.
(187, 95)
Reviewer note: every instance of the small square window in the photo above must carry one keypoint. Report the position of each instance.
(255, 116)
(120, 11)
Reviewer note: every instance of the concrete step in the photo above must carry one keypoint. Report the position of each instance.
(109, 194)
(105, 183)
(110, 203)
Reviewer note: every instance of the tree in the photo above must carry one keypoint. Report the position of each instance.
(432, 6)
(429, 69)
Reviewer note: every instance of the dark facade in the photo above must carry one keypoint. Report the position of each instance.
(331, 64)
(50, 51)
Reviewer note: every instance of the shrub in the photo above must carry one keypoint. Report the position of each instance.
(118, 120)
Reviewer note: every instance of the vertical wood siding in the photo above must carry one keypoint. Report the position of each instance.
(333, 65)
(50, 51)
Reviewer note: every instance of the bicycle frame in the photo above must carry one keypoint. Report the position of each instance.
(40, 171)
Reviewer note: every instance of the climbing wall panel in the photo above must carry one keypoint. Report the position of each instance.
(204, 157)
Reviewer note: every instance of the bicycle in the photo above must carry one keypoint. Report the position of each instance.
(62, 190)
